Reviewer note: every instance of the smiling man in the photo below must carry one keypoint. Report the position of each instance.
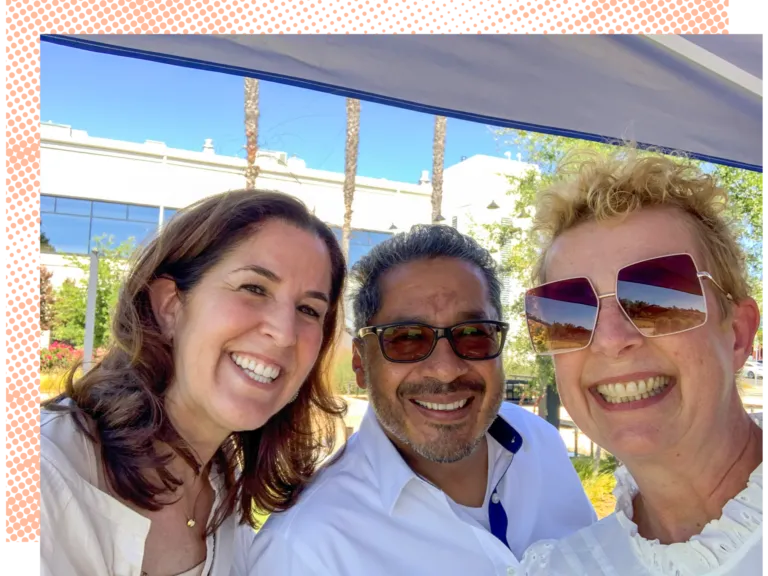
(442, 478)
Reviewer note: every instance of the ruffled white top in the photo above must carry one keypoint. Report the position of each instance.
(730, 545)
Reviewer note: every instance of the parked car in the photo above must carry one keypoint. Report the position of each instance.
(753, 369)
(514, 390)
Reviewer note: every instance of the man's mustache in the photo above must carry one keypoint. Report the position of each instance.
(433, 386)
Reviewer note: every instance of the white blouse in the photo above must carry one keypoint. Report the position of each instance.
(728, 546)
(87, 531)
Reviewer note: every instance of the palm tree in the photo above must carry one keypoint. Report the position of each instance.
(438, 159)
(350, 169)
(251, 131)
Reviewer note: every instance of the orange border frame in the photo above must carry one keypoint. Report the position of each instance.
(27, 19)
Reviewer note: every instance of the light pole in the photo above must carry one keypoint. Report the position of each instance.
(90, 310)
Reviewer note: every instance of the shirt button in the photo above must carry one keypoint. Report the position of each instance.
(495, 499)
(510, 571)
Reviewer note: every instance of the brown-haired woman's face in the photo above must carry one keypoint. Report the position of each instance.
(248, 334)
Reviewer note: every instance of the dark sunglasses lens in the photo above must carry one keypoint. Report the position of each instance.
(561, 315)
(662, 296)
(407, 343)
(478, 340)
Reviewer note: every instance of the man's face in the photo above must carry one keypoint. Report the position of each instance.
(439, 292)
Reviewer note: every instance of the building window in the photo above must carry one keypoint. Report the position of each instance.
(71, 225)
(168, 213)
(361, 242)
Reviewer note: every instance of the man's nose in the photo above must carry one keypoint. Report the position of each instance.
(614, 333)
(443, 364)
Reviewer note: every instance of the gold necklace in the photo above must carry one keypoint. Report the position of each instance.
(191, 517)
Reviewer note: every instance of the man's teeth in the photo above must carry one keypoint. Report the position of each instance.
(255, 369)
(443, 407)
(633, 391)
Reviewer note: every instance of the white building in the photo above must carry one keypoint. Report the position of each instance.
(94, 186)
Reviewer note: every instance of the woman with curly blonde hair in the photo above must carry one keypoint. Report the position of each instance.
(642, 302)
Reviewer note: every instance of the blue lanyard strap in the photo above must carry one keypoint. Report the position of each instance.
(511, 441)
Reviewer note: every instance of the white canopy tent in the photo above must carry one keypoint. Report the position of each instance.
(698, 94)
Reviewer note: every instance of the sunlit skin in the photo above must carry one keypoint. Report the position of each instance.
(266, 300)
(447, 448)
(692, 447)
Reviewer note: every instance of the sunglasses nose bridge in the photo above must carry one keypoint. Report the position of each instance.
(614, 332)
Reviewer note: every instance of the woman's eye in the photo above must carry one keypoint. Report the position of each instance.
(309, 311)
(254, 288)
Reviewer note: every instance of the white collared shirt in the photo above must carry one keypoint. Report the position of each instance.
(731, 545)
(369, 513)
(84, 530)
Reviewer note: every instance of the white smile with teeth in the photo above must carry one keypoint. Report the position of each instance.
(443, 407)
(633, 391)
(255, 370)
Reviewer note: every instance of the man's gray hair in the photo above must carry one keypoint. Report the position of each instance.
(423, 242)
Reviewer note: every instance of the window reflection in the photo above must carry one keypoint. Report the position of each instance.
(67, 234)
(110, 210)
(122, 231)
(144, 214)
(73, 206)
(168, 213)
(360, 242)
(71, 225)
(47, 204)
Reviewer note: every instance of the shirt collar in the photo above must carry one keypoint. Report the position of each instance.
(393, 473)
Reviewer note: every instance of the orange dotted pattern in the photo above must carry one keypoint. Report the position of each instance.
(26, 19)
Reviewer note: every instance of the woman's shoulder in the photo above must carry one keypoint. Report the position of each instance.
(64, 445)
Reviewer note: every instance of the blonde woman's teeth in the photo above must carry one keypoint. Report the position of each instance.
(633, 391)
(255, 369)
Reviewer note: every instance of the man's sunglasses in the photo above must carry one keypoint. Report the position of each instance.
(659, 296)
(405, 342)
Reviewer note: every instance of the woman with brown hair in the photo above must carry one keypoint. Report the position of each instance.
(211, 400)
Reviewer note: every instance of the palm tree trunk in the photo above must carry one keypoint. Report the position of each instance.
(350, 169)
(251, 131)
(438, 160)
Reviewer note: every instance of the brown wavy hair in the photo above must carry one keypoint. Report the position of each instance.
(119, 402)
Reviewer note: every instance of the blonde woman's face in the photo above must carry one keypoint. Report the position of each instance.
(697, 367)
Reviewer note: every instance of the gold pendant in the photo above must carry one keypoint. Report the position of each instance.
(191, 522)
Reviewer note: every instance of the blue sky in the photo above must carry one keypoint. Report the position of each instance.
(135, 100)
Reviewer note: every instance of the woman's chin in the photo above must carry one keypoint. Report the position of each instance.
(628, 444)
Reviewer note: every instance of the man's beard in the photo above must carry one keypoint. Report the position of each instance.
(450, 447)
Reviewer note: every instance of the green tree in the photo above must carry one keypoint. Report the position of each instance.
(745, 211)
(69, 312)
(46, 298)
(513, 238)
(45, 243)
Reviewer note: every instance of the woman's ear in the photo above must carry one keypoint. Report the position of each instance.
(164, 298)
(745, 322)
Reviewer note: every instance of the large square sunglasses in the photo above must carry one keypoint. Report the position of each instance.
(405, 342)
(660, 296)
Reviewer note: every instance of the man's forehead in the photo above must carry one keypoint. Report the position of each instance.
(424, 289)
